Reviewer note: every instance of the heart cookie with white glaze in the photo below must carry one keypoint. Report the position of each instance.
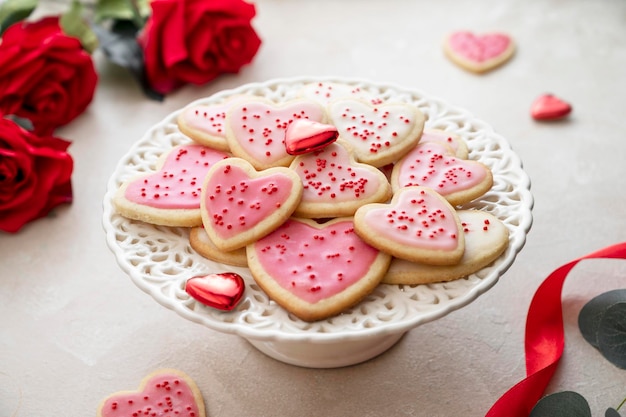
(171, 195)
(316, 271)
(256, 129)
(325, 92)
(479, 53)
(378, 134)
(452, 140)
(335, 185)
(433, 165)
(418, 225)
(486, 238)
(240, 205)
(166, 392)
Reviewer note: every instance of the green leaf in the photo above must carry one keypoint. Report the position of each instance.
(135, 10)
(73, 24)
(592, 312)
(12, 11)
(562, 404)
(612, 335)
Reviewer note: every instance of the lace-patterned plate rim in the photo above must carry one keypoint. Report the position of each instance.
(159, 260)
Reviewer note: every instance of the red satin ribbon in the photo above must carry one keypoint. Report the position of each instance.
(544, 339)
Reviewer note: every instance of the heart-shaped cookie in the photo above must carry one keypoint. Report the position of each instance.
(335, 185)
(418, 225)
(171, 195)
(167, 392)
(304, 136)
(324, 92)
(199, 240)
(378, 134)
(486, 238)
(256, 129)
(316, 270)
(240, 205)
(479, 53)
(549, 107)
(452, 140)
(206, 124)
(221, 291)
(432, 165)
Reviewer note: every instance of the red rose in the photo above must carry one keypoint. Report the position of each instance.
(194, 41)
(45, 76)
(34, 175)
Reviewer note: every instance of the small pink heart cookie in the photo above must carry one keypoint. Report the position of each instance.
(335, 185)
(256, 129)
(549, 107)
(240, 205)
(479, 53)
(166, 392)
(433, 165)
(418, 225)
(221, 291)
(378, 134)
(486, 238)
(206, 124)
(171, 195)
(316, 271)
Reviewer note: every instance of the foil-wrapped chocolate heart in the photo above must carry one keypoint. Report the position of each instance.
(221, 291)
(304, 136)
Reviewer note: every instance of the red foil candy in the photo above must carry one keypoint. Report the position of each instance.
(221, 291)
(304, 136)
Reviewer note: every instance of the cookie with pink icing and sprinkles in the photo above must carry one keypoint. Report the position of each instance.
(486, 238)
(206, 124)
(166, 392)
(170, 196)
(324, 92)
(240, 205)
(433, 164)
(478, 53)
(255, 129)
(378, 134)
(314, 270)
(418, 225)
(335, 185)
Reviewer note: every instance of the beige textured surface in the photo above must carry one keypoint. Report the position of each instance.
(73, 328)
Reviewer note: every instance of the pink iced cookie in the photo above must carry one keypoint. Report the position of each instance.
(206, 124)
(433, 165)
(162, 393)
(418, 225)
(335, 185)
(316, 271)
(256, 129)
(171, 195)
(479, 53)
(240, 205)
(486, 238)
(324, 92)
(452, 140)
(378, 134)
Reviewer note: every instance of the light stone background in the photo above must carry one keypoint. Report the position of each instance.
(74, 328)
